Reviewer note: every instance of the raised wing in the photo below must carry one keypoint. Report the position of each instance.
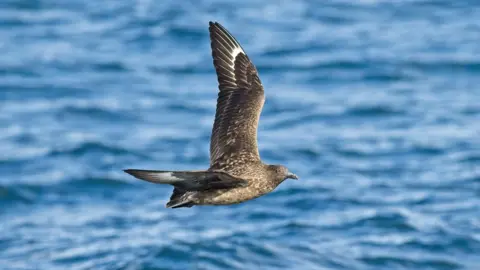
(240, 101)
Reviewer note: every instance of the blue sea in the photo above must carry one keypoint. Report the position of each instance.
(374, 104)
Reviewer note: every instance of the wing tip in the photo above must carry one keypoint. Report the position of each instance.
(135, 173)
(158, 177)
(212, 26)
(219, 29)
(129, 171)
(223, 41)
(213, 23)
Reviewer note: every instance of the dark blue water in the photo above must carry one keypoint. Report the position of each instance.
(374, 104)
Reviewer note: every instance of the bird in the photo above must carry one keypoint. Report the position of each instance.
(236, 173)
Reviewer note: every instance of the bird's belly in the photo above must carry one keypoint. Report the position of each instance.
(232, 196)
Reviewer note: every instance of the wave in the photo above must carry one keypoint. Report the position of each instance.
(96, 188)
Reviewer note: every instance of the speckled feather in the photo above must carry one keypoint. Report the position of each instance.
(239, 104)
(233, 145)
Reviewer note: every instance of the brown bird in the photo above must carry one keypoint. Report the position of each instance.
(236, 172)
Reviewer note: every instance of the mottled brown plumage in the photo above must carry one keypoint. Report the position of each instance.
(236, 172)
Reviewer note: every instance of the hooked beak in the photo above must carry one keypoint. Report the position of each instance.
(292, 176)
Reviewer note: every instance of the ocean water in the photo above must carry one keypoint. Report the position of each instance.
(374, 104)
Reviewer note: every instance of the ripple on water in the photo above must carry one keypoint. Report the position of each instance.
(379, 121)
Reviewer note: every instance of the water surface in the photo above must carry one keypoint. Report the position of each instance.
(374, 104)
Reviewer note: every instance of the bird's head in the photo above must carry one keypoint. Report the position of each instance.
(281, 173)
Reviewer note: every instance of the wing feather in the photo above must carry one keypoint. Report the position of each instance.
(239, 103)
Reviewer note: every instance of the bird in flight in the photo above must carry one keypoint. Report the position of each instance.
(236, 172)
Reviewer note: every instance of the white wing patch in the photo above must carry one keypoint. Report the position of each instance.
(234, 54)
(165, 177)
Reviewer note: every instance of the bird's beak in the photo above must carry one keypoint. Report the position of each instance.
(292, 176)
